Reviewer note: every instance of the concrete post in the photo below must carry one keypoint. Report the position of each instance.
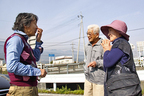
(54, 86)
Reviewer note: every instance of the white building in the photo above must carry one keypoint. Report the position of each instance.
(63, 60)
(139, 61)
(140, 48)
(1, 61)
(132, 46)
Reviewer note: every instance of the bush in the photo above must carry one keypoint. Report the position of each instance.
(63, 90)
(4, 72)
(142, 86)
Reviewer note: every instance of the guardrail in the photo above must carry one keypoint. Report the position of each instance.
(63, 68)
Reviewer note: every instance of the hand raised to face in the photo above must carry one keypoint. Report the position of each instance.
(106, 45)
(39, 34)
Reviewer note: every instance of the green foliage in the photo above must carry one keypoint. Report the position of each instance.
(63, 90)
(51, 62)
(4, 72)
(142, 86)
(79, 88)
(43, 91)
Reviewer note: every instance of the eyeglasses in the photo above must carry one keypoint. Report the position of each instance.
(92, 33)
(89, 34)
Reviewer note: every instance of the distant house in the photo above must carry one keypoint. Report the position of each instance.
(63, 60)
(1, 61)
(139, 61)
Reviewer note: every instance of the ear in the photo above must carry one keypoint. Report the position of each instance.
(120, 35)
(97, 34)
(25, 28)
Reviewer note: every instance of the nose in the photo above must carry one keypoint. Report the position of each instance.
(36, 26)
(88, 35)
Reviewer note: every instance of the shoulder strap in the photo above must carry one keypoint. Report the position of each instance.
(26, 44)
(15, 34)
(6, 43)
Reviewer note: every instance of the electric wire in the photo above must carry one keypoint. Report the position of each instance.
(86, 36)
(65, 41)
(61, 25)
(64, 32)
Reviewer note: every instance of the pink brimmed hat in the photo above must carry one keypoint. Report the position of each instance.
(118, 25)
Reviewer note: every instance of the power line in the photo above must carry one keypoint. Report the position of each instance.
(61, 25)
(86, 36)
(64, 32)
(77, 38)
(136, 29)
(68, 43)
(2, 40)
(6, 21)
(65, 41)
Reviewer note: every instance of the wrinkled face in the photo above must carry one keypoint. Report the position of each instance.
(31, 30)
(91, 36)
(113, 34)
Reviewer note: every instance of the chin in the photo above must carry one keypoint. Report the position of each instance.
(111, 40)
(33, 35)
(90, 40)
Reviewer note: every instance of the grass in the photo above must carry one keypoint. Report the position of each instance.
(142, 86)
(63, 90)
(3, 72)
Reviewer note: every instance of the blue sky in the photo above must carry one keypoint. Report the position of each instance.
(58, 18)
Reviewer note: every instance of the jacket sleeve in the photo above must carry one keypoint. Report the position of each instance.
(38, 50)
(99, 61)
(14, 48)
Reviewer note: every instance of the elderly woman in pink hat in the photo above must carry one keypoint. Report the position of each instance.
(121, 77)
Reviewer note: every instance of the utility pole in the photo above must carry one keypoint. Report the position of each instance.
(72, 52)
(81, 28)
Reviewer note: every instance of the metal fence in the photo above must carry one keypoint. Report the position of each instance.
(62, 68)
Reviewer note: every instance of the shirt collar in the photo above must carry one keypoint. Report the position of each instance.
(22, 33)
(118, 39)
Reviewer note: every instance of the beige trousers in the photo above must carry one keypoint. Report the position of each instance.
(22, 91)
(91, 89)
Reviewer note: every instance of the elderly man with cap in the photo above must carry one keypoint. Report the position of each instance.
(121, 78)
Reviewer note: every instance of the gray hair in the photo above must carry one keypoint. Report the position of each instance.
(94, 27)
(24, 19)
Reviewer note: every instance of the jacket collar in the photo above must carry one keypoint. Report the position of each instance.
(22, 33)
(98, 43)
